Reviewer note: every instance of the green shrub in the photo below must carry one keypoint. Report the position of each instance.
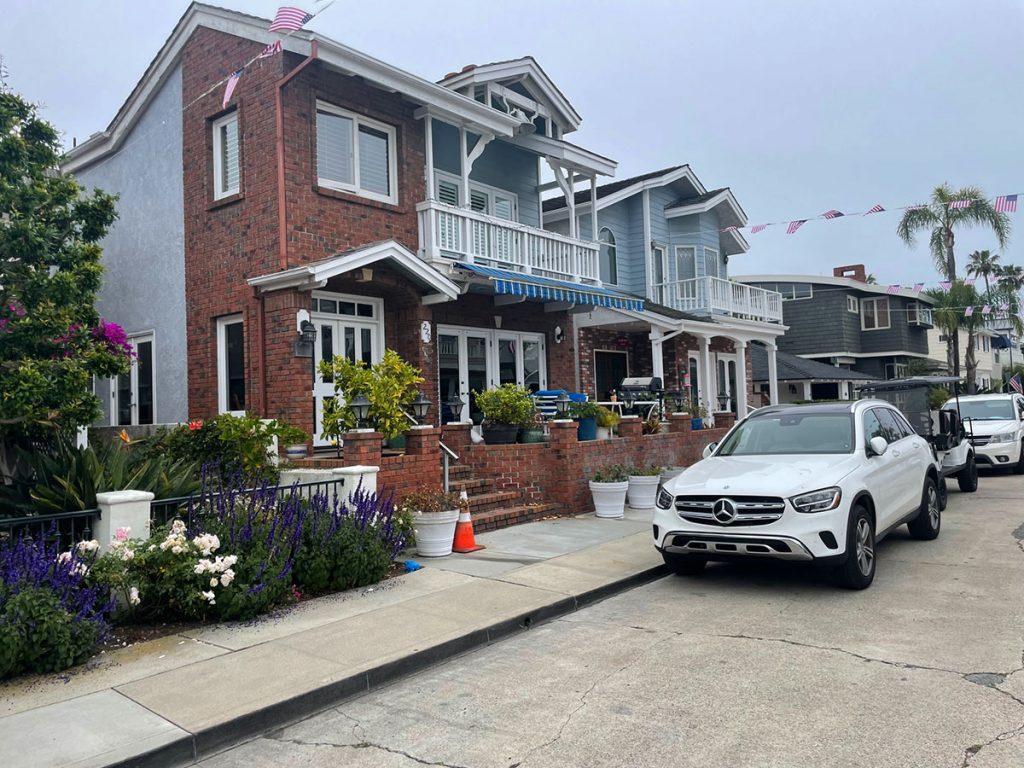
(43, 635)
(610, 473)
(645, 470)
(607, 418)
(585, 410)
(508, 404)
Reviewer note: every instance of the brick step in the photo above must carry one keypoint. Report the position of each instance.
(483, 502)
(471, 485)
(503, 517)
(459, 471)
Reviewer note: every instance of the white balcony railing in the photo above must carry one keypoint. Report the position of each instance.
(448, 232)
(712, 295)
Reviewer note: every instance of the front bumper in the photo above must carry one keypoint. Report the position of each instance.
(998, 454)
(794, 536)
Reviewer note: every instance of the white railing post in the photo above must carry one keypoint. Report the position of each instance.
(122, 509)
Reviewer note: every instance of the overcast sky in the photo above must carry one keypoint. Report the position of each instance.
(798, 105)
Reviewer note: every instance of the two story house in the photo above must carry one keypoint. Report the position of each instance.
(666, 237)
(843, 320)
(336, 205)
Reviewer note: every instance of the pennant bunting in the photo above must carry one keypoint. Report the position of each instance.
(945, 285)
(969, 311)
(271, 50)
(918, 287)
(1006, 204)
(795, 225)
(1004, 307)
(968, 281)
(892, 290)
(832, 214)
(874, 209)
(230, 88)
(960, 203)
(289, 19)
(730, 229)
(986, 309)
(757, 228)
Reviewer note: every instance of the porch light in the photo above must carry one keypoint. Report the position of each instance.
(674, 400)
(360, 409)
(454, 405)
(308, 333)
(562, 405)
(420, 406)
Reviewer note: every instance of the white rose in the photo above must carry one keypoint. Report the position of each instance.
(227, 577)
(213, 582)
(133, 596)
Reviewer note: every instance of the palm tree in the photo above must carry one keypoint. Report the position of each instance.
(950, 316)
(940, 219)
(984, 264)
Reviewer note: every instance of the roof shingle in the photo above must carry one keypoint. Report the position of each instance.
(583, 196)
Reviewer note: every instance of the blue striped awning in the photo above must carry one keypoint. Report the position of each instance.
(549, 289)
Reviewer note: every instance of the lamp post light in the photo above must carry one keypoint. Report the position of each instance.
(454, 406)
(420, 407)
(360, 409)
(562, 403)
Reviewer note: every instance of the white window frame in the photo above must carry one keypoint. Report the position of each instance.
(222, 362)
(874, 302)
(135, 340)
(220, 191)
(680, 255)
(852, 305)
(487, 189)
(659, 291)
(357, 121)
(717, 258)
(614, 245)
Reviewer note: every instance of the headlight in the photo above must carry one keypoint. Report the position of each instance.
(665, 499)
(1005, 437)
(817, 501)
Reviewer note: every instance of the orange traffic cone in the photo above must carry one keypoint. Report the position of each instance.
(464, 539)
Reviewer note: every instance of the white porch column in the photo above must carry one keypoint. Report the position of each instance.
(657, 359)
(807, 390)
(593, 207)
(741, 379)
(463, 156)
(710, 388)
(428, 129)
(571, 199)
(773, 376)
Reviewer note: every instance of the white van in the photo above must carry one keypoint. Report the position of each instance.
(995, 427)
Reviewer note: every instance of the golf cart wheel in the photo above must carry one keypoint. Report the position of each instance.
(1018, 468)
(967, 478)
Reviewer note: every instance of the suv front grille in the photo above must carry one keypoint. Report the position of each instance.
(750, 510)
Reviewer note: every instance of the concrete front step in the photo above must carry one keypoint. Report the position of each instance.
(503, 517)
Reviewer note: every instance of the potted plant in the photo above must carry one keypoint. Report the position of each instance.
(607, 420)
(697, 415)
(585, 414)
(651, 426)
(294, 440)
(643, 486)
(505, 409)
(608, 486)
(390, 385)
(534, 431)
(434, 515)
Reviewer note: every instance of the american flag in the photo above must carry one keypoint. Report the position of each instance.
(271, 50)
(945, 285)
(289, 19)
(969, 311)
(918, 287)
(757, 228)
(960, 203)
(986, 309)
(230, 88)
(892, 290)
(1016, 385)
(795, 225)
(832, 214)
(1006, 204)
(874, 209)
(730, 229)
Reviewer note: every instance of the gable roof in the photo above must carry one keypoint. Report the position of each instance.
(696, 199)
(332, 53)
(583, 196)
(517, 69)
(792, 368)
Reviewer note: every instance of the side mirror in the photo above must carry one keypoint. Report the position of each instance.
(878, 446)
(708, 450)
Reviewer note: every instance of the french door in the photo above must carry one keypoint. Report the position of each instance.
(726, 382)
(346, 327)
(132, 395)
(473, 359)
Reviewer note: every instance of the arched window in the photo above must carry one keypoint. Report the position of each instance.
(608, 271)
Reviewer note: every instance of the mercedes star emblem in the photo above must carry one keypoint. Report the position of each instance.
(724, 511)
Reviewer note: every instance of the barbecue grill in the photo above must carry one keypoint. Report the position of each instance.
(642, 389)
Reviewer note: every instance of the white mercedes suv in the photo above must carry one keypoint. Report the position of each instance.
(819, 483)
(995, 427)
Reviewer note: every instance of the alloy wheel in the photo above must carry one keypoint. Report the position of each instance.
(865, 547)
(933, 506)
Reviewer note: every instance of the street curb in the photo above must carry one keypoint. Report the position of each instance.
(208, 741)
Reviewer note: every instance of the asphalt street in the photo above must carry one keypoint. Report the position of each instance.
(746, 665)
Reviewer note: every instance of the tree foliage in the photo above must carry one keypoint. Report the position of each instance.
(52, 341)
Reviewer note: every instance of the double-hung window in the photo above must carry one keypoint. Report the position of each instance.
(355, 154)
(874, 314)
(226, 167)
(230, 365)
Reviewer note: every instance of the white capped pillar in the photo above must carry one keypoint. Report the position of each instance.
(709, 380)
(741, 379)
(773, 375)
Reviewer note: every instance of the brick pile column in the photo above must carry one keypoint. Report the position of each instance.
(679, 422)
(456, 435)
(422, 441)
(630, 427)
(362, 448)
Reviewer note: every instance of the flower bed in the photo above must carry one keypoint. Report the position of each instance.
(243, 554)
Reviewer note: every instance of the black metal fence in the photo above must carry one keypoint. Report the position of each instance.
(64, 528)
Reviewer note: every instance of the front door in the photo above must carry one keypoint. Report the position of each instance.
(345, 327)
(610, 368)
(726, 382)
(132, 394)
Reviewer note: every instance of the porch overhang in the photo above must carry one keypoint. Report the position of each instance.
(508, 283)
(436, 286)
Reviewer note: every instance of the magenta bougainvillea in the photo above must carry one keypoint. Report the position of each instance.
(114, 337)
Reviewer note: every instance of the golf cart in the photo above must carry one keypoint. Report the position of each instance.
(943, 429)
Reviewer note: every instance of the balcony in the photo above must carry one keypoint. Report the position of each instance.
(449, 232)
(714, 296)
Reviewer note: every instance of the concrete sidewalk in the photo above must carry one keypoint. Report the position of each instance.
(182, 697)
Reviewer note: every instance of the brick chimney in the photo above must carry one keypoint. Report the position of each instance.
(851, 271)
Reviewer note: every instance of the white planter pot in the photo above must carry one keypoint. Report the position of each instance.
(643, 490)
(435, 532)
(295, 451)
(609, 498)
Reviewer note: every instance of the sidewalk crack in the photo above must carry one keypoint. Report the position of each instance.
(364, 745)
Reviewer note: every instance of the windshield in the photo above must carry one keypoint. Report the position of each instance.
(983, 410)
(778, 433)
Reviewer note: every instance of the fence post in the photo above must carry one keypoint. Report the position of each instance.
(122, 509)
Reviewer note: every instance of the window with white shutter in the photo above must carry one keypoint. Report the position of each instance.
(355, 154)
(447, 192)
(226, 167)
